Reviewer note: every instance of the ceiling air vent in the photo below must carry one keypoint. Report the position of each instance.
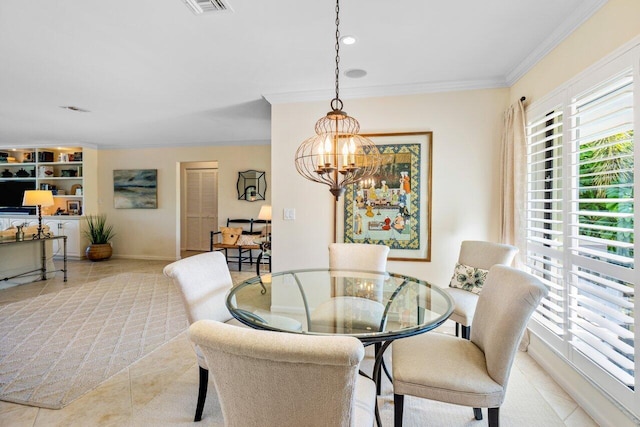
(200, 7)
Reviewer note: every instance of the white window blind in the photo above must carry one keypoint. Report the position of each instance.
(545, 214)
(580, 223)
(601, 309)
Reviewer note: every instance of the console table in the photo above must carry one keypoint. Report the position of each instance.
(43, 256)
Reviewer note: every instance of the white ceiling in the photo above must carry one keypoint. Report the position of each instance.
(152, 73)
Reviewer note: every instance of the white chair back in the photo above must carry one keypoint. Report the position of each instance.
(508, 299)
(203, 281)
(358, 256)
(268, 378)
(481, 254)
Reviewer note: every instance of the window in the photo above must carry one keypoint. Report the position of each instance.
(580, 223)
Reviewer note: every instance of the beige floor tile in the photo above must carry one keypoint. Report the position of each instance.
(15, 415)
(579, 418)
(107, 405)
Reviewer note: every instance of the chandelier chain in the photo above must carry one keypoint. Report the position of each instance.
(338, 102)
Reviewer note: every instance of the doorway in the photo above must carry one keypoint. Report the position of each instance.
(199, 204)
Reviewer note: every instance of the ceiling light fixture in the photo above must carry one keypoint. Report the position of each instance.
(73, 108)
(337, 156)
(355, 73)
(348, 40)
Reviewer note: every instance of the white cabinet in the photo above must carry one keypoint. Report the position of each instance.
(70, 227)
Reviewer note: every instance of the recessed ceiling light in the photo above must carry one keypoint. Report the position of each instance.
(348, 40)
(74, 108)
(355, 73)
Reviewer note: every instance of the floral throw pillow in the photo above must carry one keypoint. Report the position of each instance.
(468, 278)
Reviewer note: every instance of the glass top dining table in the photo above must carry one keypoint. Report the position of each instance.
(372, 306)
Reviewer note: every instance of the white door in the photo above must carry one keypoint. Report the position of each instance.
(201, 207)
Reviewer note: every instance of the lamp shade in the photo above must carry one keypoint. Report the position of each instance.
(265, 212)
(37, 197)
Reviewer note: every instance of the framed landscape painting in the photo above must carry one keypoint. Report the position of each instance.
(135, 188)
(393, 207)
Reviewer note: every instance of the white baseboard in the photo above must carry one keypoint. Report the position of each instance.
(593, 401)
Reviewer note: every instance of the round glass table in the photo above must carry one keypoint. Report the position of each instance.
(376, 308)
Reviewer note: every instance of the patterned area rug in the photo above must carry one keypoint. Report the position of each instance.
(56, 347)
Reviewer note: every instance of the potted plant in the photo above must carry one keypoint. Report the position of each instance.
(99, 235)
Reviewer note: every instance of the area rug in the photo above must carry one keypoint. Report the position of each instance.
(56, 347)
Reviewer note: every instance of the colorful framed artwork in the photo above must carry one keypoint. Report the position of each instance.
(393, 207)
(135, 188)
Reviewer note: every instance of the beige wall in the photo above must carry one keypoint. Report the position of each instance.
(153, 233)
(466, 144)
(614, 24)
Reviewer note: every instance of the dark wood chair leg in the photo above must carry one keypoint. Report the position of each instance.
(494, 417)
(398, 407)
(466, 332)
(202, 393)
(477, 413)
(377, 347)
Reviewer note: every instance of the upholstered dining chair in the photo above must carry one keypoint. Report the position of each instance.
(475, 259)
(358, 256)
(351, 256)
(471, 372)
(203, 281)
(276, 379)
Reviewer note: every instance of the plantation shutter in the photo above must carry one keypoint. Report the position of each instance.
(544, 224)
(601, 309)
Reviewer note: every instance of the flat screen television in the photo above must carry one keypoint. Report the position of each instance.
(11, 194)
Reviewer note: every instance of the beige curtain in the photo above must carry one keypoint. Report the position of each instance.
(513, 179)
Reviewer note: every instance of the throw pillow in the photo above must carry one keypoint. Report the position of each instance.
(468, 278)
(246, 240)
(230, 235)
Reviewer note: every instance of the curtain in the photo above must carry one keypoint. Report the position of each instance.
(513, 179)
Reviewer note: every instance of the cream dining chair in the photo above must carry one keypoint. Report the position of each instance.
(472, 372)
(329, 315)
(478, 257)
(203, 281)
(275, 379)
(351, 256)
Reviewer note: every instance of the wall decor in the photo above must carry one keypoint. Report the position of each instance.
(135, 188)
(74, 207)
(393, 207)
(251, 185)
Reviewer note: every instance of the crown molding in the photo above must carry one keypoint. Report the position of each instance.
(187, 144)
(575, 20)
(383, 91)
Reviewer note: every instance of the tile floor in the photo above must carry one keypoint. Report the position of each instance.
(117, 400)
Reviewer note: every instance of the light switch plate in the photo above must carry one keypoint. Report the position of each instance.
(289, 214)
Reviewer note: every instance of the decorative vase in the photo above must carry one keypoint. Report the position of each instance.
(98, 251)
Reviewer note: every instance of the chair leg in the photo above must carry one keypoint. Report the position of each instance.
(494, 417)
(377, 347)
(202, 392)
(466, 332)
(398, 406)
(477, 413)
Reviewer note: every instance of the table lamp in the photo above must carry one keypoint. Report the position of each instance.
(265, 214)
(38, 198)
